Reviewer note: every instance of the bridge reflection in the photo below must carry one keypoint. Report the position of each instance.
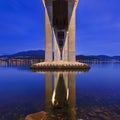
(60, 101)
(61, 95)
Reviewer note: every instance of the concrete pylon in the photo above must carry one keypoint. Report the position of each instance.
(48, 39)
(56, 49)
(60, 22)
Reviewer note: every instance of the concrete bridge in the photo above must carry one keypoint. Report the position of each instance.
(60, 29)
(60, 35)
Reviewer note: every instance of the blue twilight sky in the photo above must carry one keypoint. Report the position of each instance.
(98, 26)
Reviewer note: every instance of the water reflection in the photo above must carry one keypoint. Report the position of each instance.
(60, 93)
(94, 95)
(18, 62)
(61, 98)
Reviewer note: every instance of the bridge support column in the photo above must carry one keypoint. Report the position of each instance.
(48, 39)
(72, 39)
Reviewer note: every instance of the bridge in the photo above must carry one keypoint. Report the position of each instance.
(60, 29)
(60, 35)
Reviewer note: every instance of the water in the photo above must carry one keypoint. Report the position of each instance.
(93, 95)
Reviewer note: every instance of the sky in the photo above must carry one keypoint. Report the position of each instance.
(97, 26)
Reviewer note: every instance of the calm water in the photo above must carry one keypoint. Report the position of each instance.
(93, 95)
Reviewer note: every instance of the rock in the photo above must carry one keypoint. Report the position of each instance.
(98, 110)
(92, 114)
(37, 116)
(104, 117)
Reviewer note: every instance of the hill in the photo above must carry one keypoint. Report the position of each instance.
(41, 54)
(27, 54)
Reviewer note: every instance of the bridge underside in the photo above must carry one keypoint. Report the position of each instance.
(60, 30)
(60, 14)
(60, 36)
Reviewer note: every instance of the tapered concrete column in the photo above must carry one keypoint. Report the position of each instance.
(56, 49)
(48, 38)
(65, 48)
(72, 39)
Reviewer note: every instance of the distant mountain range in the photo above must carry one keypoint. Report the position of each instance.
(27, 54)
(41, 54)
(98, 57)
